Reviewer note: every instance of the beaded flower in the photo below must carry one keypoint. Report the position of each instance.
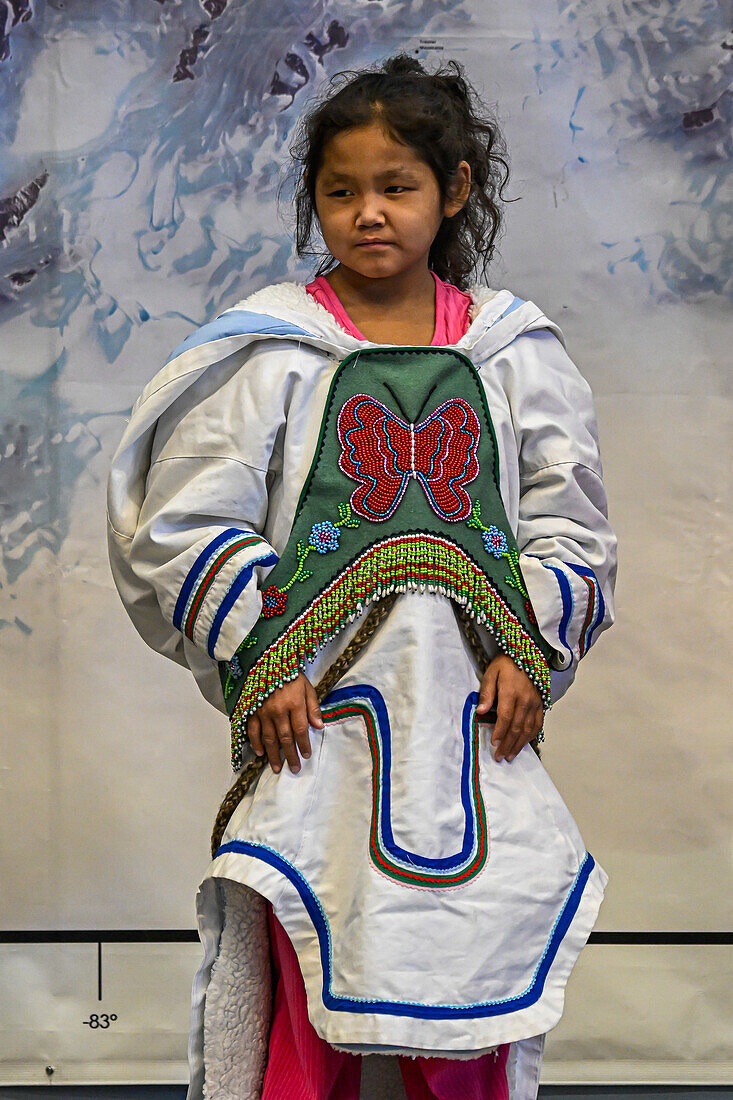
(324, 537)
(495, 541)
(235, 668)
(273, 602)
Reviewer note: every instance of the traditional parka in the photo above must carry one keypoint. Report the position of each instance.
(206, 480)
(402, 858)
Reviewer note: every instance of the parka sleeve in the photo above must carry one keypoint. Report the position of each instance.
(566, 544)
(199, 544)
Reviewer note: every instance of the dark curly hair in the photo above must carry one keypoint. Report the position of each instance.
(441, 117)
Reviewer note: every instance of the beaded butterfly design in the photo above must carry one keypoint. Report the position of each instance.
(383, 452)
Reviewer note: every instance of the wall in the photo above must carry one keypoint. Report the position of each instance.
(141, 145)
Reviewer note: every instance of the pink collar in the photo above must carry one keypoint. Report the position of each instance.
(451, 310)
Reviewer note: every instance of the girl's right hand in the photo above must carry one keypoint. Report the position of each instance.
(282, 722)
(519, 712)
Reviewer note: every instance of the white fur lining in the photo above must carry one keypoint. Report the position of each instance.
(481, 295)
(288, 295)
(238, 1007)
(294, 296)
(238, 1000)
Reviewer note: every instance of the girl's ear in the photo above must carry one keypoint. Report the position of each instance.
(460, 189)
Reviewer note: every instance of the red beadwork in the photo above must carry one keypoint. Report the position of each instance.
(273, 602)
(382, 452)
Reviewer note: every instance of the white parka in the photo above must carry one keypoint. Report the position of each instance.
(217, 450)
(223, 436)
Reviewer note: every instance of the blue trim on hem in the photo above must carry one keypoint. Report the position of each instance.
(338, 1003)
(238, 322)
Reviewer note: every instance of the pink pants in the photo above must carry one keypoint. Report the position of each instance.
(302, 1066)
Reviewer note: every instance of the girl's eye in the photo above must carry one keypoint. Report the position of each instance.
(343, 192)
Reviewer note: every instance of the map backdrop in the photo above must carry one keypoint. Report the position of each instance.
(141, 147)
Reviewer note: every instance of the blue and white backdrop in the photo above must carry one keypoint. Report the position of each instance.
(141, 144)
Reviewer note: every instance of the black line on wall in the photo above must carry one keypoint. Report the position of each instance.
(662, 939)
(186, 935)
(109, 935)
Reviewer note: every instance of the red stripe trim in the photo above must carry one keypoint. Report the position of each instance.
(588, 615)
(355, 710)
(208, 580)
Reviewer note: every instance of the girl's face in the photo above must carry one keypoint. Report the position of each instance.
(378, 204)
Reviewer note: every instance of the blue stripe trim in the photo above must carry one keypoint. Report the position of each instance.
(196, 570)
(515, 305)
(568, 605)
(584, 571)
(384, 732)
(235, 589)
(238, 322)
(337, 1003)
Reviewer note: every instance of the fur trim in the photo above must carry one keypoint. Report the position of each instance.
(294, 297)
(238, 1000)
(288, 295)
(481, 295)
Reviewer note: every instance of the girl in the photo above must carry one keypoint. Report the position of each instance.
(383, 439)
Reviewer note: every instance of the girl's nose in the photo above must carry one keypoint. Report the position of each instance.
(370, 212)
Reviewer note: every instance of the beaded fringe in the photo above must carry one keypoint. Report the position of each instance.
(418, 562)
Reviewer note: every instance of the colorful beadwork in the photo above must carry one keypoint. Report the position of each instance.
(495, 541)
(382, 452)
(412, 472)
(324, 537)
(274, 601)
(234, 672)
(416, 561)
(234, 666)
(497, 544)
(411, 868)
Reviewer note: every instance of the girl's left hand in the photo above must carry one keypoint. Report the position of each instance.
(518, 706)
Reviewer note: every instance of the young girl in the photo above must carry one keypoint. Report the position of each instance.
(381, 438)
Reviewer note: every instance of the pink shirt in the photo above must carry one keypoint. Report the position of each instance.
(451, 310)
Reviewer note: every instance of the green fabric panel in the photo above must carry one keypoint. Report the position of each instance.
(412, 383)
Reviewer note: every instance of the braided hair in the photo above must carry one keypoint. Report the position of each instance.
(440, 116)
